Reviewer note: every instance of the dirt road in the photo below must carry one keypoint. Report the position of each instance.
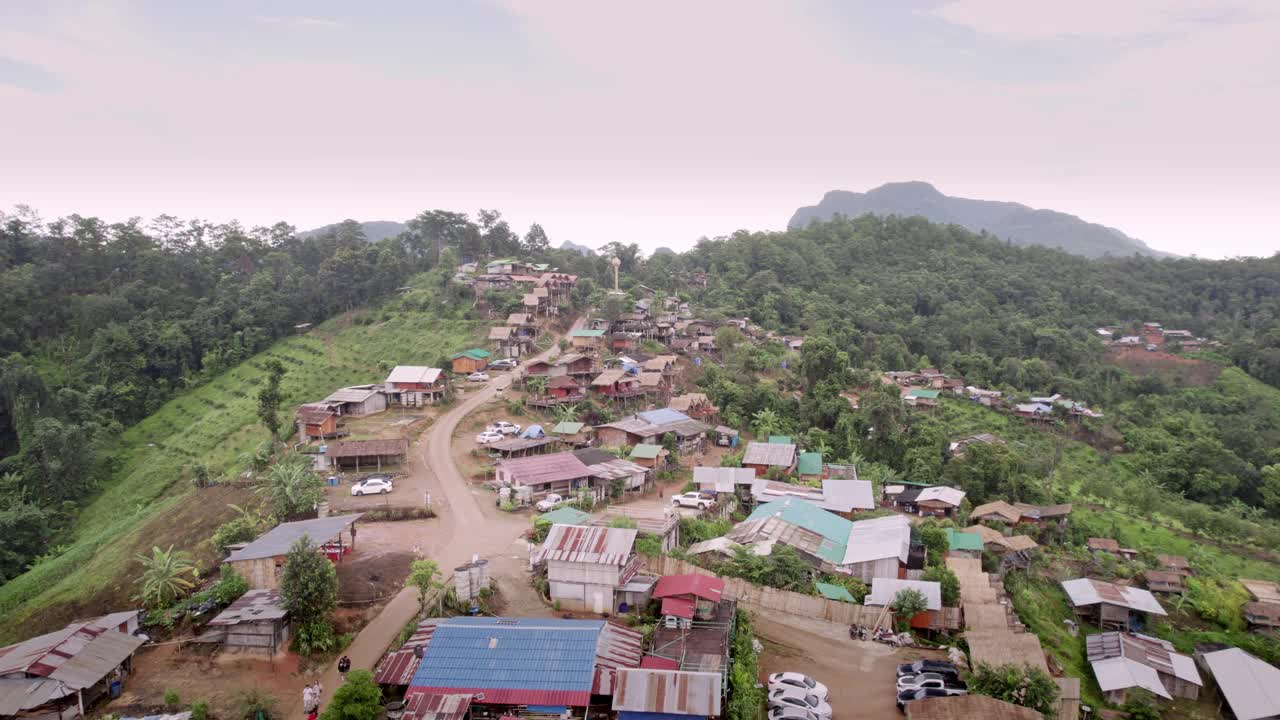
(468, 524)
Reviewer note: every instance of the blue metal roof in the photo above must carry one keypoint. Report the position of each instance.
(549, 657)
(633, 715)
(663, 416)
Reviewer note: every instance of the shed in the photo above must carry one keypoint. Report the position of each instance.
(1159, 581)
(256, 621)
(651, 694)
(939, 501)
(469, 361)
(1123, 661)
(760, 456)
(366, 453)
(877, 548)
(964, 544)
(357, 401)
(565, 515)
(649, 456)
(262, 561)
(587, 565)
(1250, 686)
(885, 590)
(316, 420)
(689, 597)
(968, 707)
(586, 339)
(1108, 604)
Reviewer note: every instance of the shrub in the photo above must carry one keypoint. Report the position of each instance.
(1025, 686)
(199, 710)
(230, 587)
(358, 698)
(252, 703)
(315, 638)
(237, 530)
(171, 698)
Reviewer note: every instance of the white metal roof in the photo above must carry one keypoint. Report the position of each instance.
(716, 544)
(1087, 591)
(948, 495)
(871, 540)
(1121, 673)
(1250, 686)
(280, 538)
(722, 479)
(413, 374)
(884, 590)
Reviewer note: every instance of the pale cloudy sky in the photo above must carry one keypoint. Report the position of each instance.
(652, 122)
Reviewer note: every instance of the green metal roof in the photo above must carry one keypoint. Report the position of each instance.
(810, 517)
(924, 393)
(833, 592)
(473, 353)
(780, 439)
(566, 516)
(568, 428)
(810, 463)
(963, 540)
(586, 333)
(646, 452)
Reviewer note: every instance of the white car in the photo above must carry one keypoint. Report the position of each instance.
(790, 712)
(488, 436)
(373, 485)
(478, 377)
(504, 427)
(799, 681)
(548, 503)
(794, 697)
(692, 500)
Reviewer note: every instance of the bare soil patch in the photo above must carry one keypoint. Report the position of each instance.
(1173, 369)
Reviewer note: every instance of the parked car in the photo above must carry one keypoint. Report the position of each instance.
(478, 377)
(929, 680)
(373, 485)
(548, 503)
(942, 667)
(795, 697)
(505, 427)
(693, 500)
(504, 364)
(800, 681)
(790, 712)
(488, 436)
(906, 696)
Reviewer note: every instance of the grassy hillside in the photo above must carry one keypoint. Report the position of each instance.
(149, 502)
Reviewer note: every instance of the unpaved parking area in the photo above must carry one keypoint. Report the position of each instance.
(860, 675)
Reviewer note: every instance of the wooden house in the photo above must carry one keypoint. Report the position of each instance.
(1109, 605)
(357, 401)
(1159, 581)
(922, 398)
(508, 342)
(620, 342)
(650, 427)
(469, 361)
(414, 385)
(537, 475)
(696, 406)
(257, 621)
(586, 340)
(261, 562)
(366, 454)
(580, 367)
(996, 511)
(560, 390)
(648, 456)
(1262, 617)
(761, 456)
(536, 369)
(617, 385)
(1175, 564)
(1124, 661)
(1110, 546)
(575, 434)
(316, 421)
(586, 566)
(939, 501)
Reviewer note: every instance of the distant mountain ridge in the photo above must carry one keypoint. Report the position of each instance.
(1014, 222)
(580, 249)
(374, 230)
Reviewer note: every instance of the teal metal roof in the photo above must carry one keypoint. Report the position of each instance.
(566, 516)
(646, 452)
(963, 540)
(925, 393)
(833, 592)
(568, 428)
(780, 439)
(808, 516)
(810, 463)
(586, 333)
(473, 353)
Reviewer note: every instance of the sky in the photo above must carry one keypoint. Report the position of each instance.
(655, 123)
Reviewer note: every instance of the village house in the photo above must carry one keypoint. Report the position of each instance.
(586, 340)
(469, 361)
(835, 495)
(996, 511)
(1249, 686)
(957, 448)
(689, 597)
(491, 667)
(587, 565)
(818, 536)
(1177, 564)
(650, 427)
(696, 406)
(60, 675)
(1123, 661)
(877, 548)
(256, 622)
(1040, 412)
(885, 589)
(970, 707)
(569, 432)
(922, 398)
(414, 385)
(1021, 513)
(1262, 617)
(357, 401)
(577, 366)
(1109, 605)
(608, 468)
(535, 476)
(1159, 581)
(261, 562)
(617, 385)
(761, 456)
(366, 454)
(985, 398)
(1110, 546)
(938, 501)
(654, 694)
(558, 390)
(508, 342)
(964, 544)
(655, 384)
(316, 421)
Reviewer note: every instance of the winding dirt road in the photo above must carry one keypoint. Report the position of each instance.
(462, 520)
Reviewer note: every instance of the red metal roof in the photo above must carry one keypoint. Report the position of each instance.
(516, 696)
(599, 545)
(679, 607)
(542, 469)
(703, 586)
(420, 705)
(397, 668)
(653, 662)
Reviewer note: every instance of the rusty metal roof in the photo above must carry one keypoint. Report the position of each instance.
(542, 469)
(668, 691)
(253, 606)
(423, 705)
(597, 545)
(44, 654)
(314, 413)
(366, 448)
(397, 667)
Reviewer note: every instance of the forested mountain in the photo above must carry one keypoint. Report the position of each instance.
(373, 230)
(1010, 221)
(580, 249)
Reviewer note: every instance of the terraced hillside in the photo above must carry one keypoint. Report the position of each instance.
(149, 501)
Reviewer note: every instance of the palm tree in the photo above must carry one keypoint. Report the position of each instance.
(165, 576)
(766, 422)
(566, 413)
(537, 386)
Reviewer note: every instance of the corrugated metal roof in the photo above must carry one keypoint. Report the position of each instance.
(773, 454)
(17, 694)
(646, 452)
(278, 539)
(678, 607)
(806, 515)
(253, 606)
(43, 654)
(566, 516)
(586, 333)
(810, 463)
(939, 493)
(567, 427)
(668, 691)
(397, 668)
(703, 586)
(526, 661)
(877, 539)
(594, 545)
(968, 707)
(366, 448)
(314, 413)
(884, 590)
(617, 468)
(663, 416)
(722, 479)
(413, 374)
(419, 705)
(351, 394)
(1087, 591)
(473, 353)
(542, 469)
(96, 659)
(1250, 686)
(963, 540)
(834, 592)
(1120, 673)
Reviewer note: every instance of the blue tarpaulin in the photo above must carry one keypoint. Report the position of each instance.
(548, 709)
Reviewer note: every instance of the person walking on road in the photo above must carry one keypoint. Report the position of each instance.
(344, 665)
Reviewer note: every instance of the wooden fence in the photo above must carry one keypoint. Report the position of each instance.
(767, 598)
